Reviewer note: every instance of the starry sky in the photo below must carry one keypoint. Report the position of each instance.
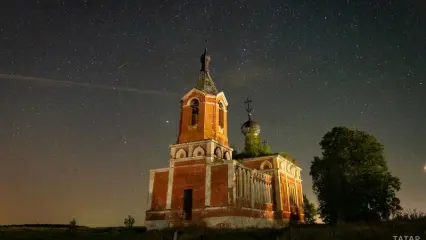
(90, 90)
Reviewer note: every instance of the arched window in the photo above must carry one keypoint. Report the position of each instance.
(221, 115)
(195, 111)
(265, 165)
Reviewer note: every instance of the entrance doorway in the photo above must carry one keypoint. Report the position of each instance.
(187, 204)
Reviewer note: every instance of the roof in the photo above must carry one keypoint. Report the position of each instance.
(205, 83)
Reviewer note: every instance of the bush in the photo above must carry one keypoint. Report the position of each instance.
(410, 214)
(129, 221)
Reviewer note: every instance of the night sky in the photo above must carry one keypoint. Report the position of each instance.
(90, 91)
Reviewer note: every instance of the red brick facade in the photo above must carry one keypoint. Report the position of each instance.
(208, 114)
(189, 177)
(160, 190)
(219, 186)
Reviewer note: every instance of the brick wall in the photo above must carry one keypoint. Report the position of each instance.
(190, 162)
(159, 192)
(208, 120)
(284, 193)
(189, 177)
(219, 185)
(253, 164)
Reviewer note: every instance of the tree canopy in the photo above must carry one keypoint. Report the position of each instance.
(351, 179)
(309, 210)
(253, 147)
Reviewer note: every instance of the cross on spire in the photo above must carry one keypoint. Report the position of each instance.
(249, 110)
(205, 82)
(205, 60)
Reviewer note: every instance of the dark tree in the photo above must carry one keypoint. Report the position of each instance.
(73, 225)
(351, 179)
(129, 221)
(234, 151)
(309, 210)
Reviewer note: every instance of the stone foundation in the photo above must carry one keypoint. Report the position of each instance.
(230, 222)
(218, 217)
(244, 222)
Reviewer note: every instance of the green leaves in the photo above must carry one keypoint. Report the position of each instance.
(351, 179)
(253, 147)
(309, 210)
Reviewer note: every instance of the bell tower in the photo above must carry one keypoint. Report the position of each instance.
(204, 110)
(203, 117)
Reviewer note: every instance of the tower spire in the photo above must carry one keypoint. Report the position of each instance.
(205, 82)
(205, 61)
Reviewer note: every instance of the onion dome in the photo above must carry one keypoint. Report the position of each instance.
(250, 127)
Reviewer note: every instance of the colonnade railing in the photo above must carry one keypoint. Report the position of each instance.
(253, 186)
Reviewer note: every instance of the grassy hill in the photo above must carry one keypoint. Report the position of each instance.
(385, 230)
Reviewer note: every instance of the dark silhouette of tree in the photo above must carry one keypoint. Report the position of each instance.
(234, 151)
(351, 179)
(73, 225)
(309, 210)
(129, 221)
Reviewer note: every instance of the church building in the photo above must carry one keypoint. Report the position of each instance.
(204, 185)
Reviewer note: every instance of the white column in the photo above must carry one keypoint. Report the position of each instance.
(240, 182)
(269, 193)
(208, 185)
(151, 188)
(231, 183)
(278, 193)
(257, 191)
(252, 189)
(170, 188)
(247, 184)
(288, 192)
(190, 150)
(295, 193)
(210, 151)
(301, 189)
(244, 183)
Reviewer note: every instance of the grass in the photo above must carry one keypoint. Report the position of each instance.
(384, 230)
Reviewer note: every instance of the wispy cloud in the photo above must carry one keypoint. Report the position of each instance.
(85, 85)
